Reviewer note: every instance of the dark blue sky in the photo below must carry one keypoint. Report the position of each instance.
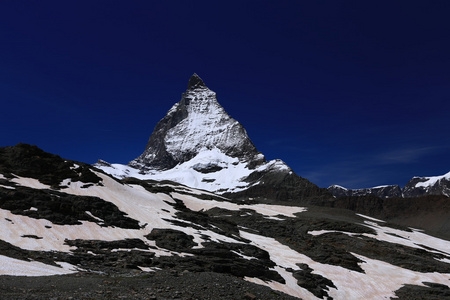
(355, 93)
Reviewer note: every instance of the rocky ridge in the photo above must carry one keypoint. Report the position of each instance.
(416, 187)
(386, 191)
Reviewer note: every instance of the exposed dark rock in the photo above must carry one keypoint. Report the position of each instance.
(151, 185)
(109, 256)
(32, 236)
(208, 168)
(316, 284)
(61, 208)
(99, 246)
(195, 82)
(224, 258)
(30, 161)
(172, 239)
(283, 186)
(432, 291)
(202, 220)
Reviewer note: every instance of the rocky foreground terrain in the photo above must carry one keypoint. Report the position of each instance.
(144, 239)
(165, 285)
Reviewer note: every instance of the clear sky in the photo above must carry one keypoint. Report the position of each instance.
(355, 93)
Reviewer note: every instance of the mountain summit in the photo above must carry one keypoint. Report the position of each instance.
(195, 82)
(197, 123)
(198, 144)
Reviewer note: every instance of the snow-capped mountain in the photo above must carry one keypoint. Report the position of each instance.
(198, 144)
(197, 123)
(416, 187)
(435, 185)
(59, 216)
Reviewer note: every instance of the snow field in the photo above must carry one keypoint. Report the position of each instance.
(379, 281)
(11, 266)
(150, 209)
(196, 204)
(228, 179)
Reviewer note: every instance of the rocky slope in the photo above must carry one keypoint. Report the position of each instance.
(198, 144)
(59, 217)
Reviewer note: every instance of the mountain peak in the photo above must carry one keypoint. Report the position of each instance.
(196, 123)
(195, 82)
(198, 144)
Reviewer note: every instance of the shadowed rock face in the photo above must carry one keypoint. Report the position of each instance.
(30, 161)
(283, 186)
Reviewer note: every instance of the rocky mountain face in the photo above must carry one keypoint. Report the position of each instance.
(416, 187)
(148, 239)
(198, 144)
(195, 124)
(423, 186)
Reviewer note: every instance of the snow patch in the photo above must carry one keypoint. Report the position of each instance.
(196, 204)
(16, 267)
(370, 218)
(7, 187)
(30, 182)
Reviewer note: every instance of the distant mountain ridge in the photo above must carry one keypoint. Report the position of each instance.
(416, 187)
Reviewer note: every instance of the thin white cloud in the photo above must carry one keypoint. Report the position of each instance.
(404, 155)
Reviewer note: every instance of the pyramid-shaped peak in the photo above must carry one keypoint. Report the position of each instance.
(195, 82)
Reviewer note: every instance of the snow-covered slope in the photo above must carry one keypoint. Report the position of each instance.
(210, 170)
(198, 144)
(109, 225)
